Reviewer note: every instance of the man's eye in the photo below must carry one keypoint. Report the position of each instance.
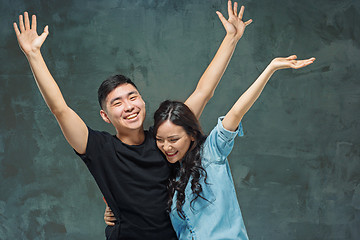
(117, 103)
(132, 98)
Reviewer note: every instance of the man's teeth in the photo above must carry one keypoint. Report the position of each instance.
(132, 116)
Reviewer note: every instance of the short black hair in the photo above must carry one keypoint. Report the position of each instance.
(110, 84)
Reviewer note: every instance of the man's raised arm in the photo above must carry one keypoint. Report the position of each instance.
(235, 28)
(72, 126)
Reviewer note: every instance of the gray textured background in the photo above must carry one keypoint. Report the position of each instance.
(297, 170)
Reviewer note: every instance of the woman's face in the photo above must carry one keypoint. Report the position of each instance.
(173, 141)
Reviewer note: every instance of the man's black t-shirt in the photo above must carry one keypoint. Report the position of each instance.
(133, 180)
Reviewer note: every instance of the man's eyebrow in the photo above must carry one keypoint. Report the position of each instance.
(121, 97)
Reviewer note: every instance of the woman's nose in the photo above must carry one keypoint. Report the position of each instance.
(167, 146)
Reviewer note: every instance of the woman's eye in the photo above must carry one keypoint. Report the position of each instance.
(159, 140)
(174, 140)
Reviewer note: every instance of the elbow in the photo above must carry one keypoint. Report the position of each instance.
(58, 111)
(208, 96)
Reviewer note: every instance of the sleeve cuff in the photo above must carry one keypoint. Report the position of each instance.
(230, 134)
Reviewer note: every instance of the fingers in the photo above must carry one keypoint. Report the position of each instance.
(308, 62)
(33, 22)
(292, 57)
(17, 32)
(302, 63)
(109, 220)
(44, 35)
(235, 8)
(107, 209)
(241, 13)
(221, 17)
(297, 66)
(46, 30)
(24, 23)
(110, 223)
(108, 212)
(248, 22)
(109, 217)
(27, 21)
(230, 11)
(21, 23)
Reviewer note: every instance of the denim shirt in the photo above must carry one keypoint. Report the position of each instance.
(219, 216)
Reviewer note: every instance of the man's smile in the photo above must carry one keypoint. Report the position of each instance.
(132, 116)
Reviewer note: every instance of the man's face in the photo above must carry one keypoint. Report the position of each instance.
(124, 108)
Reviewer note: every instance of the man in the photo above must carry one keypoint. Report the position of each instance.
(128, 168)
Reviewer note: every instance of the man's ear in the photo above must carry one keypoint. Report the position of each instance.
(104, 116)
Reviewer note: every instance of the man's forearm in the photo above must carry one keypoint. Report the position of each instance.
(211, 77)
(46, 83)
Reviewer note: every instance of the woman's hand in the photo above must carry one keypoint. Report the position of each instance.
(28, 39)
(234, 26)
(109, 217)
(290, 62)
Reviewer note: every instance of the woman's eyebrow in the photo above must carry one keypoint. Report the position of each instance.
(172, 136)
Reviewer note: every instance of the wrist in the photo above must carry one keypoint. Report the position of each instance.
(32, 55)
(271, 67)
(231, 38)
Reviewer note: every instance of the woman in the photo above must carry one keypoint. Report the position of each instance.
(202, 197)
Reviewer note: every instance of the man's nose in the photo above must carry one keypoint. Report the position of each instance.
(128, 106)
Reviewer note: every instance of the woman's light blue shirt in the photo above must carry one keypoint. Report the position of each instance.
(219, 217)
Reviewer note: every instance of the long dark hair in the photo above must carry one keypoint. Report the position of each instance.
(179, 114)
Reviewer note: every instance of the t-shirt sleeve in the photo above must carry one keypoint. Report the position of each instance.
(220, 142)
(95, 142)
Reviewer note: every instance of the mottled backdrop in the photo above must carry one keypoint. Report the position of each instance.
(297, 170)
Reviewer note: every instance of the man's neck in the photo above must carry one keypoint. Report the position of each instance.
(133, 137)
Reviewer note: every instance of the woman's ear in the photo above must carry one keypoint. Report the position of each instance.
(192, 137)
(104, 116)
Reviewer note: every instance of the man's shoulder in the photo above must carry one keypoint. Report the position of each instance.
(99, 133)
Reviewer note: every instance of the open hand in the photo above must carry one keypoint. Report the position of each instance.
(290, 62)
(234, 26)
(29, 40)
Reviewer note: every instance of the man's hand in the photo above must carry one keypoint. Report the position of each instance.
(290, 62)
(234, 26)
(28, 39)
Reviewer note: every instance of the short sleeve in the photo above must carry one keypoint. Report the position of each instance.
(95, 142)
(220, 142)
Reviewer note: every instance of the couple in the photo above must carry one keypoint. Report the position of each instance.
(128, 167)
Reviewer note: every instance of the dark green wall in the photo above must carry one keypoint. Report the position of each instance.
(297, 170)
